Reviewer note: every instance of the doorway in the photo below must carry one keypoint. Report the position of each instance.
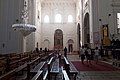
(86, 29)
(70, 47)
(58, 40)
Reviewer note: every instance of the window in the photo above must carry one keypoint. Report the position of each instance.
(118, 22)
(46, 19)
(58, 18)
(70, 18)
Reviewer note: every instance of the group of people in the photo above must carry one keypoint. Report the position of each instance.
(85, 53)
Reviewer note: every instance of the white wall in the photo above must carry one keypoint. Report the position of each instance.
(64, 8)
(99, 9)
(9, 12)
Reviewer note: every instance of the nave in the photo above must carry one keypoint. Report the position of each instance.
(50, 66)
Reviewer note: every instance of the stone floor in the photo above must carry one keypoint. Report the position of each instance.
(90, 75)
(95, 75)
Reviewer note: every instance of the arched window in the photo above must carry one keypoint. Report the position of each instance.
(70, 18)
(46, 19)
(58, 18)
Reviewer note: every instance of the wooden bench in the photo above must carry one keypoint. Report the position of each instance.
(38, 76)
(2, 65)
(34, 66)
(18, 62)
(22, 68)
(11, 75)
(65, 75)
(45, 76)
(52, 68)
(46, 56)
(70, 68)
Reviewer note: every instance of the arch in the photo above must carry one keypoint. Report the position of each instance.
(70, 45)
(46, 43)
(78, 35)
(46, 19)
(58, 39)
(86, 29)
(70, 18)
(58, 18)
(70, 41)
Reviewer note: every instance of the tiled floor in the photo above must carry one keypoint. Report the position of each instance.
(99, 75)
(95, 75)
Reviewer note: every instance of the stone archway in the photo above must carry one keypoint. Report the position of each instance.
(78, 35)
(46, 43)
(86, 29)
(70, 45)
(58, 40)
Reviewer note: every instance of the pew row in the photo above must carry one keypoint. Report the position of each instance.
(70, 68)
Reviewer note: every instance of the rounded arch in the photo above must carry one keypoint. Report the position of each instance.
(58, 39)
(70, 41)
(46, 43)
(70, 45)
(78, 35)
(86, 29)
(70, 18)
(46, 19)
(58, 18)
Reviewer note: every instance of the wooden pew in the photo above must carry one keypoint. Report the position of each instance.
(65, 75)
(46, 56)
(45, 76)
(11, 75)
(34, 66)
(18, 62)
(53, 67)
(70, 68)
(2, 65)
(38, 76)
(23, 75)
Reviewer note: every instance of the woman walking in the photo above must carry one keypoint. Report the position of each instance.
(96, 54)
(82, 54)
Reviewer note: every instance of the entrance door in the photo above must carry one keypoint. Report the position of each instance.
(70, 47)
(86, 29)
(58, 40)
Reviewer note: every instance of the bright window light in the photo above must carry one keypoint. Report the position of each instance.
(58, 18)
(70, 18)
(46, 19)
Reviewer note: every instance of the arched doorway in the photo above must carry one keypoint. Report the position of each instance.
(46, 43)
(86, 29)
(58, 40)
(70, 45)
(78, 34)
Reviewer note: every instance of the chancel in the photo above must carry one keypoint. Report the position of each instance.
(34, 33)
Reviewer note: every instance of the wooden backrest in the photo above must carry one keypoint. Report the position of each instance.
(34, 62)
(50, 64)
(66, 64)
(65, 75)
(31, 65)
(38, 76)
(9, 76)
(18, 62)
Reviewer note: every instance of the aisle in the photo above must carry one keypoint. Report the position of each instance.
(91, 72)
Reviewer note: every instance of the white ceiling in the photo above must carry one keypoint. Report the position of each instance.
(60, 0)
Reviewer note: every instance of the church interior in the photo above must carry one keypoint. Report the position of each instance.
(59, 39)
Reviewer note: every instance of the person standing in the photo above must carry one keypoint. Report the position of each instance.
(65, 52)
(82, 54)
(89, 55)
(96, 54)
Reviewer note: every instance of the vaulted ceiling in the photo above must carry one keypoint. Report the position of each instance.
(58, 0)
